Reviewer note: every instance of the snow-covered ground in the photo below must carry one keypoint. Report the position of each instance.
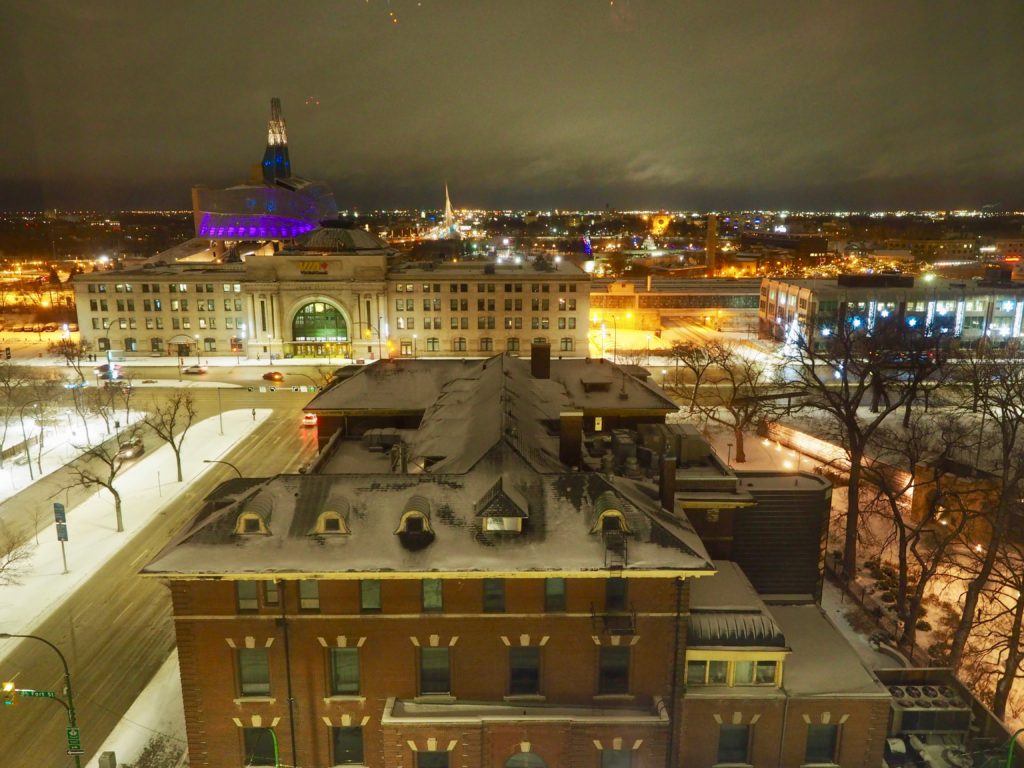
(146, 487)
(61, 443)
(157, 712)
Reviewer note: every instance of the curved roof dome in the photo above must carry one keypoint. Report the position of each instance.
(339, 239)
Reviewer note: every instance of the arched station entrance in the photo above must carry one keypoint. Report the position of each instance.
(319, 329)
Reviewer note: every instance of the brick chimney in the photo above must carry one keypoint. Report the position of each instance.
(667, 483)
(540, 361)
(570, 438)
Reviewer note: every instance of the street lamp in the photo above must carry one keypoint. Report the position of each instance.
(70, 704)
(414, 337)
(197, 347)
(221, 461)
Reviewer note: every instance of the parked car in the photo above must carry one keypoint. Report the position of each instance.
(273, 376)
(195, 369)
(309, 419)
(131, 449)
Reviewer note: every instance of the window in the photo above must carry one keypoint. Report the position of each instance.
(431, 760)
(615, 595)
(309, 595)
(486, 344)
(248, 595)
(615, 758)
(435, 675)
(764, 672)
(259, 746)
(718, 672)
(494, 595)
(253, 671)
(554, 594)
(524, 671)
(344, 671)
(433, 595)
(696, 672)
(271, 596)
(459, 344)
(565, 345)
(369, 595)
(733, 743)
(433, 343)
(613, 671)
(822, 741)
(512, 345)
(743, 673)
(348, 745)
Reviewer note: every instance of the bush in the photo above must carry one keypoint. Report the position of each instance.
(159, 752)
(923, 625)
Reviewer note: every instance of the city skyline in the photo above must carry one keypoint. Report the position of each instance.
(629, 104)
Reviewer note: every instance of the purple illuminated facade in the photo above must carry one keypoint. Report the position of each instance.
(266, 227)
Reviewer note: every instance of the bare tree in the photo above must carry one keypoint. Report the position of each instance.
(695, 359)
(1007, 623)
(101, 465)
(171, 420)
(739, 392)
(919, 488)
(75, 355)
(13, 379)
(856, 378)
(991, 383)
(15, 549)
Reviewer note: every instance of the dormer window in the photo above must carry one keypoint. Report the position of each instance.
(610, 518)
(249, 523)
(414, 529)
(611, 523)
(505, 524)
(414, 522)
(502, 508)
(330, 522)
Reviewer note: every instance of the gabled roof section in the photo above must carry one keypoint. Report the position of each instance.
(502, 501)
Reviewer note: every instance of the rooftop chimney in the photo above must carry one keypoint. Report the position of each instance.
(540, 361)
(667, 483)
(570, 438)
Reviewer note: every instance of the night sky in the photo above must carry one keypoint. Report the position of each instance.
(519, 103)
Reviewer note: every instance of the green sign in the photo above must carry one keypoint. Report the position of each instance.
(38, 694)
(74, 742)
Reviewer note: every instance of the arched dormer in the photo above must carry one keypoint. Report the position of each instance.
(251, 523)
(414, 529)
(330, 523)
(610, 518)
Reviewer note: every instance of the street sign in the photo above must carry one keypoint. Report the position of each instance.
(294, 388)
(74, 742)
(36, 694)
(62, 532)
(58, 513)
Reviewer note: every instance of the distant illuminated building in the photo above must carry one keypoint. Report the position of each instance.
(711, 245)
(274, 205)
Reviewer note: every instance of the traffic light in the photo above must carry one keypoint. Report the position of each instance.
(8, 694)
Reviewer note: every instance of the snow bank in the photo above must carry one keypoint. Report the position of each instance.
(156, 711)
(146, 488)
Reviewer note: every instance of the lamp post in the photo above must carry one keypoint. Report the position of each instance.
(1009, 747)
(70, 704)
(414, 337)
(221, 461)
(196, 336)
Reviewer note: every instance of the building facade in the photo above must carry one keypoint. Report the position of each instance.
(335, 292)
(415, 598)
(967, 310)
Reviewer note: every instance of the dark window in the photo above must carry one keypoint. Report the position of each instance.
(554, 594)
(332, 524)
(524, 671)
(696, 672)
(348, 745)
(251, 525)
(254, 671)
(259, 746)
(822, 741)
(270, 593)
(733, 743)
(369, 595)
(494, 595)
(248, 595)
(344, 671)
(525, 760)
(765, 672)
(615, 595)
(309, 595)
(613, 676)
(718, 672)
(433, 595)
(435, 676)
(615, 758)
(431, 760)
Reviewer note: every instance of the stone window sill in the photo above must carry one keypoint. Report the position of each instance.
(341, 698)
(614, 697)
(526, 697)
(435, 698)
(255, 700)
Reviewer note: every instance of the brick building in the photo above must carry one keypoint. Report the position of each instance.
(498, 571)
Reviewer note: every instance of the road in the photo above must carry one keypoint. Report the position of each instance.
(116, 629)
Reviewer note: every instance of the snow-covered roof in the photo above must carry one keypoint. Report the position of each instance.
(555, 536)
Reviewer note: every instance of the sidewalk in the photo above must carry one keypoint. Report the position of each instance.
(146, 489)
